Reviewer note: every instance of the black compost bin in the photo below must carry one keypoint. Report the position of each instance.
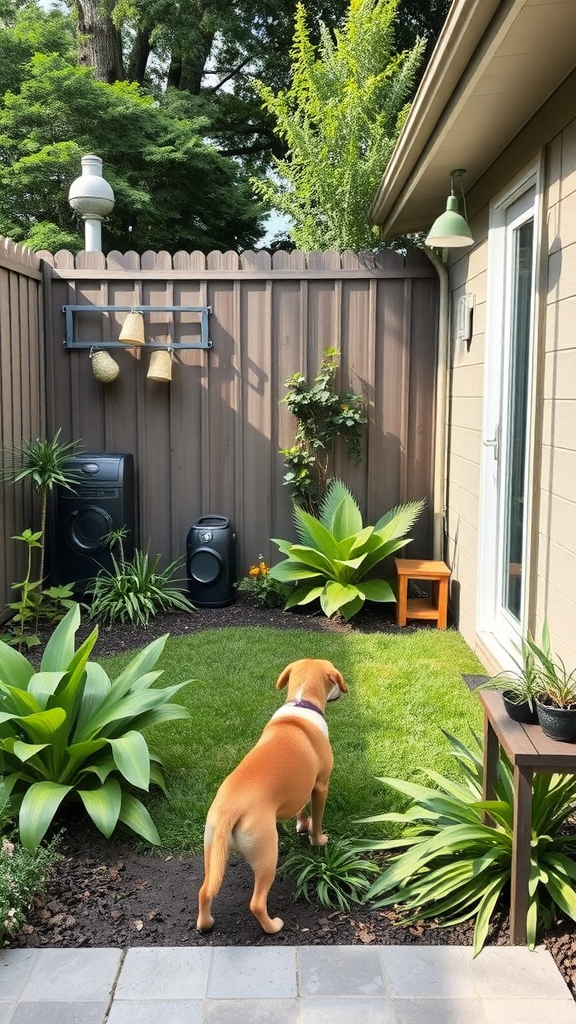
(211, 561)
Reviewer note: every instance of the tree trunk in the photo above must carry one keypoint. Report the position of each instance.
(187, 74)
(99, 41)
(139, 56)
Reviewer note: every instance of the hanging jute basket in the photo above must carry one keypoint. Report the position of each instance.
(132, 332)
(104, 368)
(160, 365)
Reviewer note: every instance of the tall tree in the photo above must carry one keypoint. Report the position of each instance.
(173, 190)
(100, 41)
(339, 120)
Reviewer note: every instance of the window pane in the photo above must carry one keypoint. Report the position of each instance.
(514, 512)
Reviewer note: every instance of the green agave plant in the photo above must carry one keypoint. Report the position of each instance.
(336, 552)
(455, 866)
(69, 732)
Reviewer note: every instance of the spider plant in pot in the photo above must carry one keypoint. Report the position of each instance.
(519, 688)
(556, 700)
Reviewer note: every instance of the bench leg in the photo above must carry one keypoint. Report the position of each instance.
(442, 621)
(522, 833)
(402, 601)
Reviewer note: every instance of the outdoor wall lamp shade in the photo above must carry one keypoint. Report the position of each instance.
(450, 230)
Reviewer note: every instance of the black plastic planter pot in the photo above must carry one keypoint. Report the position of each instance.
(557, 723)
(520, 712)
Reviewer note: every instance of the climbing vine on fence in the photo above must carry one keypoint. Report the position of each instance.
(322, 415)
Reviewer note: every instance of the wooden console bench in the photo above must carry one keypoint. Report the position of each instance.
(528, 751)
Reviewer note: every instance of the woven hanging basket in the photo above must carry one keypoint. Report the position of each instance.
(160, 365)
(132, 332)
(104, 368)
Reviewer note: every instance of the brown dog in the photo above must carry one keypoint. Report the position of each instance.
(288, 768)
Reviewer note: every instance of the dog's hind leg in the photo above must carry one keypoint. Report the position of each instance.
(215, 857)
(263, 860)
(205, 921)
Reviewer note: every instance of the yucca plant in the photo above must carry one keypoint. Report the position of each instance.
(336, 553)
(69, 732)
(47, 464)
(136, 591)
(333, 874)
(455, 866)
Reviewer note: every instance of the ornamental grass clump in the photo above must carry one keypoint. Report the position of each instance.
(455, 866)
(337, 552)
(135, 591)
(333, 874)
(69, 733)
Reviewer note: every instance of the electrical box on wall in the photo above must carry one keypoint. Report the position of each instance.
(464, 317)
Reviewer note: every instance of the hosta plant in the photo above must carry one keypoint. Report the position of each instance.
(455, 867)
(337, 552)
(68, 732)
(334, 874)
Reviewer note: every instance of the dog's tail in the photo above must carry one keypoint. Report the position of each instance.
(219, 850)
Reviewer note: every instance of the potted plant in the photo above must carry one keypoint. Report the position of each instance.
(556, 700)
(519, 688)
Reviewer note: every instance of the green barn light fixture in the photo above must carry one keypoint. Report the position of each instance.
(450, 230)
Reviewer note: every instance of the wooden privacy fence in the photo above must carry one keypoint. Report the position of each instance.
(22, 391)
(208, 442)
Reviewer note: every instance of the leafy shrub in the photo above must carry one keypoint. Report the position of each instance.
(455, 866)
(23, 875)
(333, 874)
(336, 552)
(136, 591)
(69, 732)
(261, 588)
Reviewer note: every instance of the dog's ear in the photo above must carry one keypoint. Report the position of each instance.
(283, 678)
(336, 677)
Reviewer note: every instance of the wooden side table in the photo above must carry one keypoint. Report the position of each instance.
(436, 607)
(528, 751)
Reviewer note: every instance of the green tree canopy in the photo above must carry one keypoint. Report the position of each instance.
(173, 190)
(339, 119)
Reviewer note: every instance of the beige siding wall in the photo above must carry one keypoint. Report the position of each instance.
(556, 595)
(554, 530)
(464, 430)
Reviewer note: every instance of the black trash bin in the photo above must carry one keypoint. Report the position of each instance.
(211, 561)
(100, 501)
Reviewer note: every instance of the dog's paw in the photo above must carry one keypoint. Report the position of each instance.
(320, 840)
(275, 925)
(302, 824)
(205, 927)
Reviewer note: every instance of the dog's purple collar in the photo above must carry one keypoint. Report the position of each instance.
(306, 704)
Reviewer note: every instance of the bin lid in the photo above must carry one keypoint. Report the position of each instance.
(212, 523)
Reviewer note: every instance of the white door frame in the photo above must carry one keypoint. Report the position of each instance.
(499, 630)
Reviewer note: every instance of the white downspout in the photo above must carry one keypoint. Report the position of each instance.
(439, 488)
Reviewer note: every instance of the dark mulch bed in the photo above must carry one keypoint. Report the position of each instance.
(108, 894)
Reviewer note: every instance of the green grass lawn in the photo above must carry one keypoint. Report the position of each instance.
(403, 690)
